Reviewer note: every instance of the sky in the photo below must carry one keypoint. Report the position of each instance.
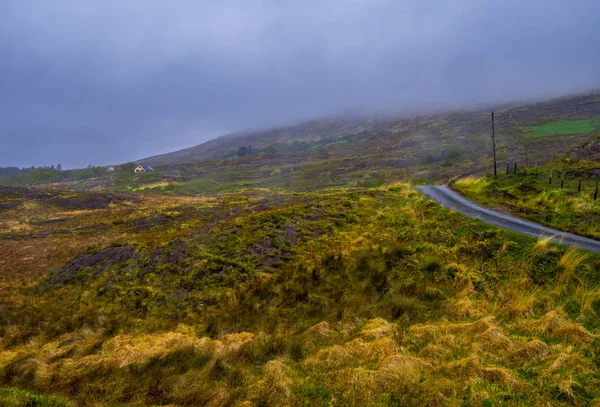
(105, 82)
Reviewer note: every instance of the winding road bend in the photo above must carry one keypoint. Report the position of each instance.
(452, 200)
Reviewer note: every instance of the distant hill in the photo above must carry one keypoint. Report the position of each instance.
(298, 136)
(317, 133)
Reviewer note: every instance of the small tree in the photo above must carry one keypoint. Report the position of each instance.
(59, 167)
(242, 151)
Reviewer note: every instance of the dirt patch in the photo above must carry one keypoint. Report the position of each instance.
(4, 206)
(262, 249)
(66, 200)
(268, 204)
(88, 201)
(147, 223)
(90, 266)
(290, 233)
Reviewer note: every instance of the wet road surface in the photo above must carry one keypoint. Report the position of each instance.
(452, 200)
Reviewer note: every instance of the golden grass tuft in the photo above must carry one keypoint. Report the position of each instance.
(359, 386)
(569, 262)
(449, 341)
(573, 332)
(232, 343)
(332, 357)
(467, 366)
(400, 368)
(556, 323)
(569, 360)
(566, 387)
(530, 351)
(275, 388)
(518, 302)
(479, 326)
(543, 243)
(493, 339)
(466, 308)
(551, 321)
(435, 352)
(376, 328)
(373, 350)
(319, 333)
(424, 332)
(500, 375)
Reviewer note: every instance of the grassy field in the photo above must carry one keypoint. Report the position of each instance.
(560, 127)
(342, 297)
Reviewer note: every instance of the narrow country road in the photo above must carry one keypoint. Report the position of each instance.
(452, 200)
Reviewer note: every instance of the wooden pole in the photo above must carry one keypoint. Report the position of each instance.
(515, 170)
(550, 179)
(494, 142)
(507, 167)
(596, 191)
(579, 185)
(562, 181)
(536, 170)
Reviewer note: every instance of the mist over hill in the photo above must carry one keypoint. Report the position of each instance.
(451, 126)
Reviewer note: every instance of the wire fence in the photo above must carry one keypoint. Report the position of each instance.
(559, 180)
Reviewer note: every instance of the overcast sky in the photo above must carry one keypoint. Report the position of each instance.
(98, 82)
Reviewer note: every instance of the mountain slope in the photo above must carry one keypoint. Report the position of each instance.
(448, 125)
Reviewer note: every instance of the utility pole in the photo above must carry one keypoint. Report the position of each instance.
(494, 143)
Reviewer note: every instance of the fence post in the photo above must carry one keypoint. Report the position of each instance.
(515, 170)
(579, 185)
(562, 181)
(596, 191)
(550, 179)
(536, 170)
(507, 166)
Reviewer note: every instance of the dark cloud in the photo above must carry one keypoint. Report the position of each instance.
(83, 81)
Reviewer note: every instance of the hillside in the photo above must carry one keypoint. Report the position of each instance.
(353, 153)
(449, 127)
(350, 297)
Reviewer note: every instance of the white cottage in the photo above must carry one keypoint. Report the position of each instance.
(143, 168)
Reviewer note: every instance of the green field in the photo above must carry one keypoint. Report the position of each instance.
(562, 127)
